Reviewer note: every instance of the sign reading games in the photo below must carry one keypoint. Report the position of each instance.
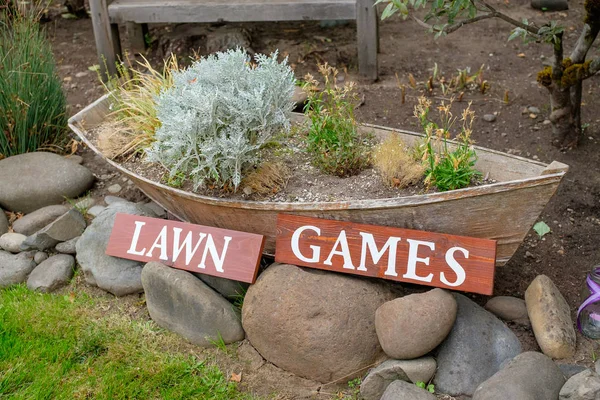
(424, 258)
(211, 251)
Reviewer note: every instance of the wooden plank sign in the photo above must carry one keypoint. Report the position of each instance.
(405, 255)
(196, 248)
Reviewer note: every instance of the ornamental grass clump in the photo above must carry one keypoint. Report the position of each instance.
(447, 166)
(334, 140)
(32, 102)
(219, 113)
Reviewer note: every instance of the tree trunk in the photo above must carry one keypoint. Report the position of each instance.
(565, 131)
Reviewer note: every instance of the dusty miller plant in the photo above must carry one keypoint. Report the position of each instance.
(219, 113)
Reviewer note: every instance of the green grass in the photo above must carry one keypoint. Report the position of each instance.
(67, 347)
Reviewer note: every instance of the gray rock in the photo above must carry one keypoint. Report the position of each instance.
(85, 203)
(31, 223)
(228, 288)
(3, 223)
(315, 324)
(550, 317)
(533, 110)
(68, 226)
(14, 268)
(113, 199)
(34, 180)
(529, 376)
(95, 210)
(11, 242)
(583, 386)
(116, 275)
(75, 158)
(412, 326)
(52, 274)
(68, 247)
(508, 308)
(182, 303)
(400, 390)
(116, 188)
(489, 117)
(40, 257)
(550, 5)
(156, 209)
(248, 354)
(569, 370)
(474, 351)
(379, 378)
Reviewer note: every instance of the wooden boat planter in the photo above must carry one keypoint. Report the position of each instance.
(503, 211)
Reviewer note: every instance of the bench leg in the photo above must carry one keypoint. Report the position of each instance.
(106, 34)
(137, 37)
(368, 38)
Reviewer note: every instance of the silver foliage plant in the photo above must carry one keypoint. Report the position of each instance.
(219, 113)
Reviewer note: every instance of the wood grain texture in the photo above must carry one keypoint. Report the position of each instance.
(241, 257)
(478, 267)
(503, 211)
(367, 38)
(108, 44)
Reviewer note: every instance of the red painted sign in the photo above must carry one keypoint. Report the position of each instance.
(207, 250)
(405, 255)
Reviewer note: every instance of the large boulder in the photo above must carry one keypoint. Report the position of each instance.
(412, 326)
(316, 324)
(3, 223)
(182, 303)
(115, 275)
(529, 376)
(230, 289)
(66, 227)
(550, 317)
(401, 390)
(31, 223)
(583, 386)
(474, 350)
(34, 180)
(11, 242)
(14, 268)
(52, 274)
(379, 378)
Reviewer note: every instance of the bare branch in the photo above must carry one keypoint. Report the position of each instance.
(557, 68)
(529, 28)
(593, 69)
(584, 43)
(452, 28)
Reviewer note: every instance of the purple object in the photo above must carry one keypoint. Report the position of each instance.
(589, 311)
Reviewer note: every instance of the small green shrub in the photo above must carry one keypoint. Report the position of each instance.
(445, 168)
(219, 113)
(32, 103)
(429, 387)
(334, 141)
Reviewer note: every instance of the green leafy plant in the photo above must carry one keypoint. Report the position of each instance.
(354, 386)
(219, 113)
(447, 167)
(334, 140)
(564, 79)
(429, 387)
(32, 102)
(541, 228)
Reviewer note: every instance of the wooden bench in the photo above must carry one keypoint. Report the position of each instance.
(106, 16)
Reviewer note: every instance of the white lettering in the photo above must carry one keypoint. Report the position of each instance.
(368, 243)
(316, 250)
(456, 267)
(136, 237)
(345, 252)
(413, 259)
(187, 244)
(161, 243)
(217, 259)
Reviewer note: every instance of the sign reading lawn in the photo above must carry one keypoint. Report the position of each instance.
(405, 255)
(211, 251)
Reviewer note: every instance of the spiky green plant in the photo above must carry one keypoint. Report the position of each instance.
(32, 103)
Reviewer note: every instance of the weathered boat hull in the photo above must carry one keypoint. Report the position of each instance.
(503, 211)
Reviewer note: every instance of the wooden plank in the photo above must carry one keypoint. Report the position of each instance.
(207, 250)
(106, 36)
(193, 11)
(403, 255)
(368, 39)
(137, 37)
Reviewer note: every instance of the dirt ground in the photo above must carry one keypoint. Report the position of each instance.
(573, 214)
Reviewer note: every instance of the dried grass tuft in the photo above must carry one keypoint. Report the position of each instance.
(396, 164)
(114, 140)
(269, 178)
